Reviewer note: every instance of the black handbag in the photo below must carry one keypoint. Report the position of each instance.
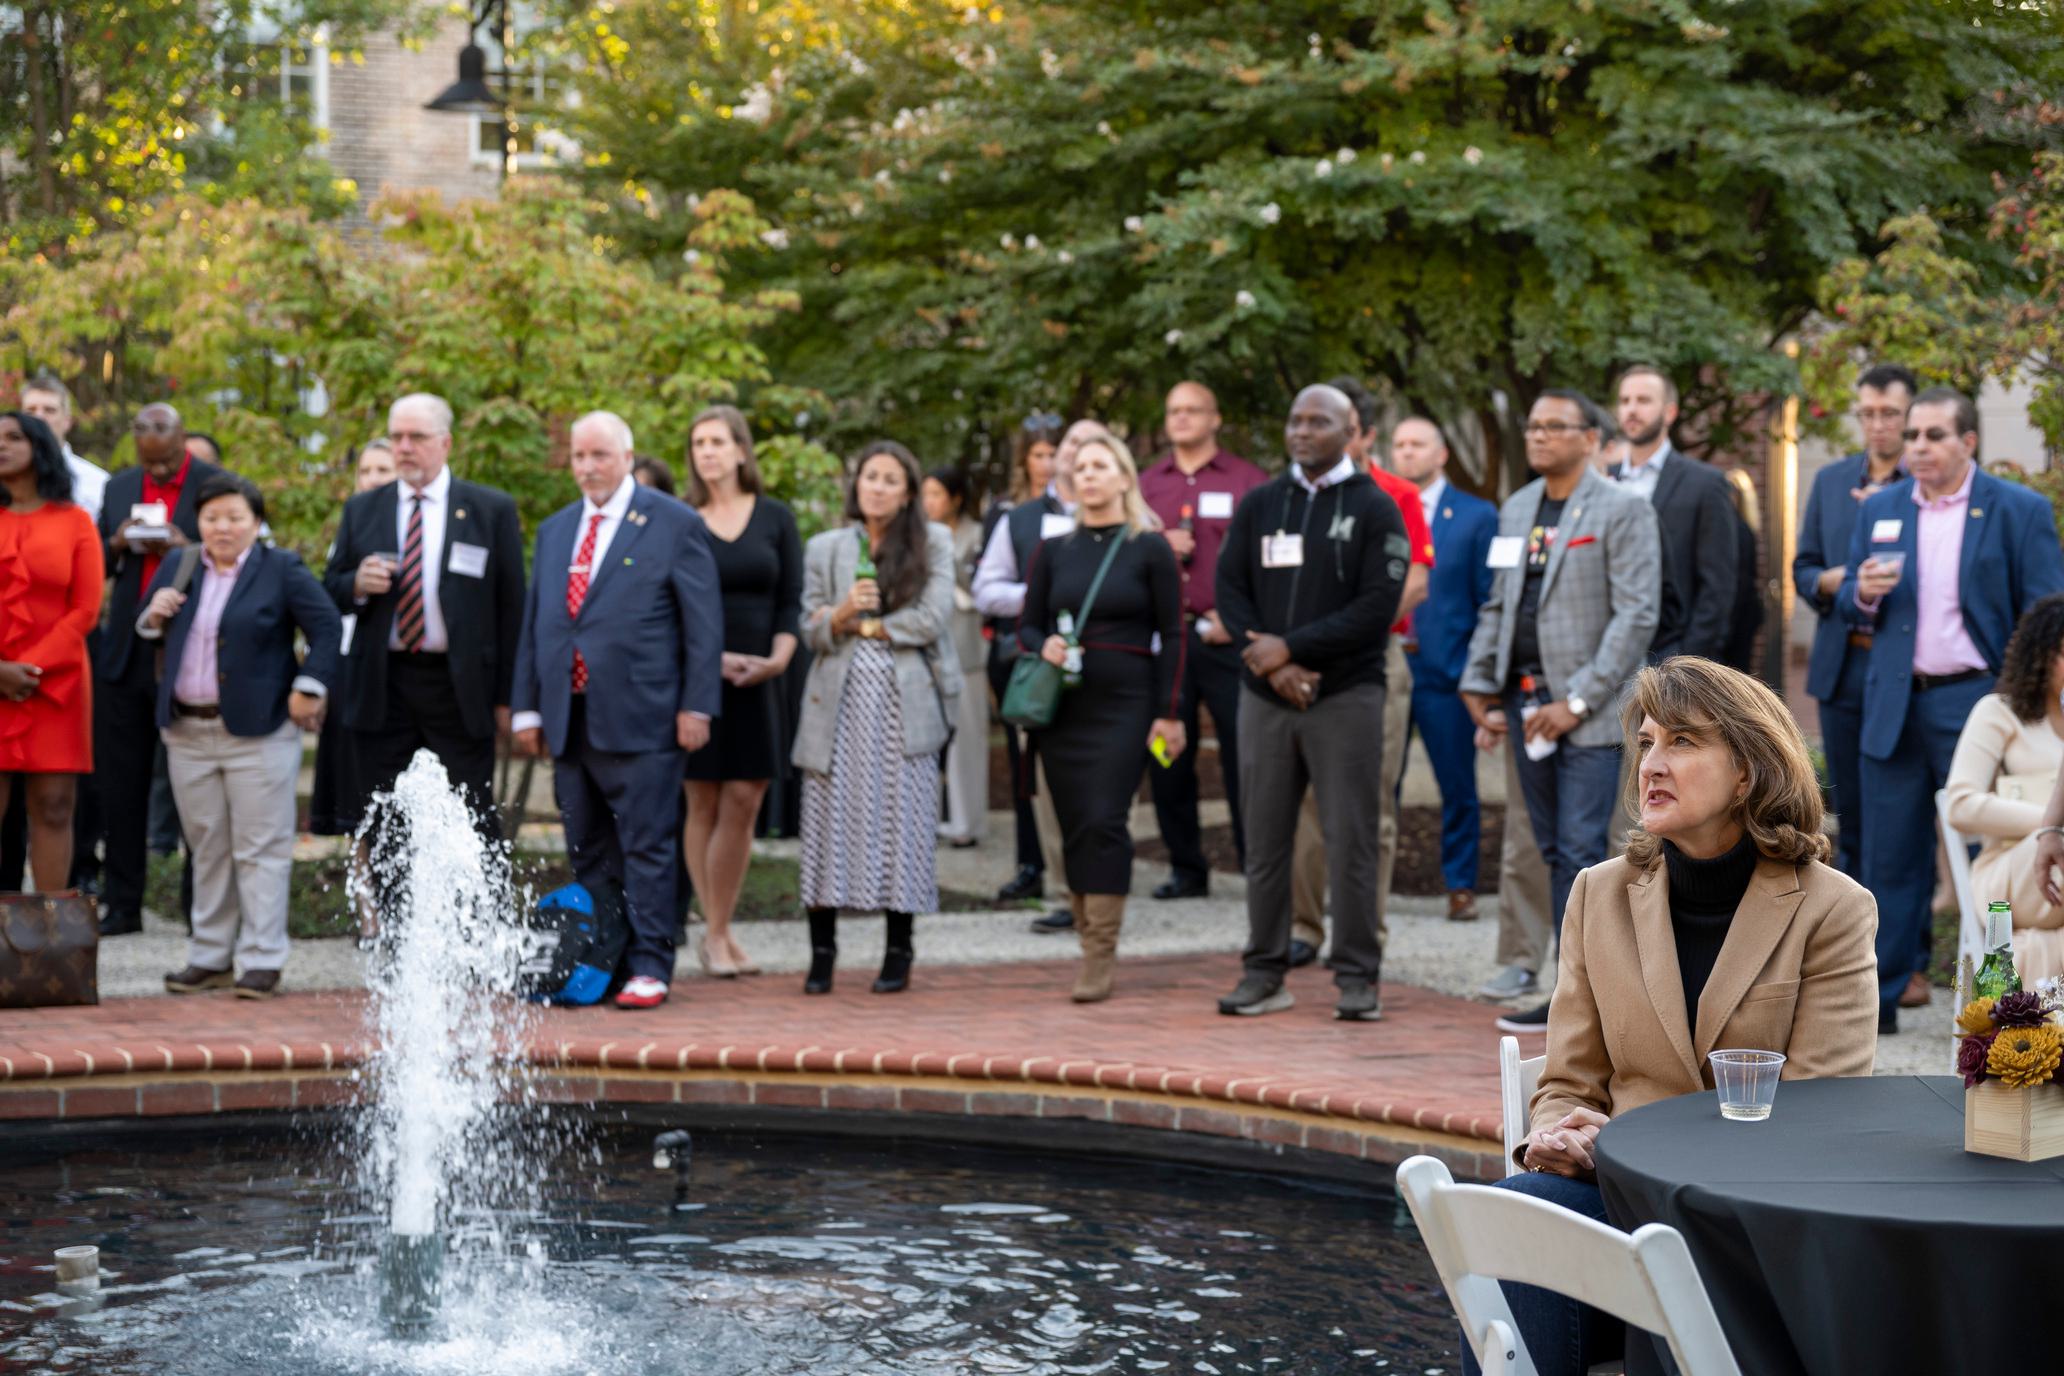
(49, 950)
(1033, 696)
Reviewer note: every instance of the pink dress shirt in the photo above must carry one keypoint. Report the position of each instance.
(1941, 644)
(196, 684)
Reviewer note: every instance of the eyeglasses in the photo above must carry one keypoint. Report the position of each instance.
(1880, 415)
(1553, 427)
(1934, 434)
(399, 437)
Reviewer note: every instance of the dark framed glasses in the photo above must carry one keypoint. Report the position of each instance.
(1934, 434)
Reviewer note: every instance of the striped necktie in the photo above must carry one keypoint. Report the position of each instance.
(408, 611)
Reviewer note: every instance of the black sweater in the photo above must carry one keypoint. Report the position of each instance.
(1703, 897)
(1141, 598)
(1335, 609)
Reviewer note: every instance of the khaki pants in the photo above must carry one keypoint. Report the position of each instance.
(1051, 849)
(1526, 913)
(1308, 865)
(236, 806)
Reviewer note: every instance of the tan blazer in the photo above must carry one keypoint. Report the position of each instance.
(1798, 974)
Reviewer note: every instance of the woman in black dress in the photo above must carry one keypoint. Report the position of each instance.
(1092, 754)
(760, 568)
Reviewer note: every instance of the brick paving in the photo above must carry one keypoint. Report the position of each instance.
(981, 1040)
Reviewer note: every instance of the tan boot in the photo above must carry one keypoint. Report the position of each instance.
(1102, 914)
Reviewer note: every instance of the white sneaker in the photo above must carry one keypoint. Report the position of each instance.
(1510, 983)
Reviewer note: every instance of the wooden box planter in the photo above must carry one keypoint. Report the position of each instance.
(2019, 1124)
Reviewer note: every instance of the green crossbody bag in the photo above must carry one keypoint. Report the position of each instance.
(1033, 695)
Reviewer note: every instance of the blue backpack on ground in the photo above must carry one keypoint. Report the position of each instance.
(575, 942)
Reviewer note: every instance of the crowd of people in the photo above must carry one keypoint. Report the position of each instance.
(1326, 615)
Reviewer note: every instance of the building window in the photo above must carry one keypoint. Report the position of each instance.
(296, 75)
(532, 90)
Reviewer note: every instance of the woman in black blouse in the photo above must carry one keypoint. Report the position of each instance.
(1098, 743)
(760, 567)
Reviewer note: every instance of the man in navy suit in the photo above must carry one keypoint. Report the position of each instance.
(1841, 652)
(1437, 645)
(617, 671)
(1940, 568)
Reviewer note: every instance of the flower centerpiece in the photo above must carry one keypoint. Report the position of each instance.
(2010, 1047)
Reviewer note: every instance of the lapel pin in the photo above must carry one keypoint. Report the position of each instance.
(459, 515)
(627, 558)
(1976, 512)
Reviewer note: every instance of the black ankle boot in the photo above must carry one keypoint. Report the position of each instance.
(823, 950)
(895, 966)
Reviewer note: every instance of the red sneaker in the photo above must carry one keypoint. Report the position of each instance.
(642, 992)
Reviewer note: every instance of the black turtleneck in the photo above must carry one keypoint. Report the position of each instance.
(1703, 897)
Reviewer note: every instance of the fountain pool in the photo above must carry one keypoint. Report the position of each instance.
(240, 1247)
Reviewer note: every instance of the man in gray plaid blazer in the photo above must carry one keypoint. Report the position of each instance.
(1579, 591)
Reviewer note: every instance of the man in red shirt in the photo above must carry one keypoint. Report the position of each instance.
(1308, 866)
(1194, 490)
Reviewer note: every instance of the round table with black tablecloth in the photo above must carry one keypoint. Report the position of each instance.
(1849, 1232)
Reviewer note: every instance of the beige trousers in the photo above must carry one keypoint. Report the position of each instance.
(1526, 914)
(967, 766)
(1308, 860)
(236, 806)
(1050, 846)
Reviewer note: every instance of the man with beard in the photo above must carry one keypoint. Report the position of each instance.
(1701, 540)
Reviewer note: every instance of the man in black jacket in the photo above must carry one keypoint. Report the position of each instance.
(1701, 532)
(125, 692)
(432, 568)
(1309, 579)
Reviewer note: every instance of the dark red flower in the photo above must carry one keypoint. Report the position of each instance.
(1971, 1054)
(2019, 1009)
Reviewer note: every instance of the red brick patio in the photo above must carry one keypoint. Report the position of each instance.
(980, 1040)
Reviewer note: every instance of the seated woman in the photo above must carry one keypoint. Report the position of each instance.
(1721, 926)
(2001, 775)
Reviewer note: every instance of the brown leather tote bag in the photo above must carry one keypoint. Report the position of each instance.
(49, 950)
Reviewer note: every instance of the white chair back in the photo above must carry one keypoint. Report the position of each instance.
(1517, 1080)
(1970, 918)
(1479, 1236)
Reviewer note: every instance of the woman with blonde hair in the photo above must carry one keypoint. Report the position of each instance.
(1721, 926)
(1096, 599)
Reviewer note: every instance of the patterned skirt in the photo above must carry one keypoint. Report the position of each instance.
(869, 824)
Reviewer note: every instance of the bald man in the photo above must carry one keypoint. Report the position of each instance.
(1194, 489)
(146, 512)
(1308, 586)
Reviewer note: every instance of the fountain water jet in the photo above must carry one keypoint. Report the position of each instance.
(445, 1021)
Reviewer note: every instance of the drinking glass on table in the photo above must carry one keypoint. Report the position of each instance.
(1746, 1082)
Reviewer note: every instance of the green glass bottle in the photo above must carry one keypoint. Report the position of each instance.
(863, 568)
(1996, 975)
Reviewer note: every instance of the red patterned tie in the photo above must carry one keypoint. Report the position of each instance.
(577, 593)
(408, 608)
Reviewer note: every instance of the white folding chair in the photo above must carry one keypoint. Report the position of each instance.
(1517, 1080)
(1479, 1236)
(1971, 920)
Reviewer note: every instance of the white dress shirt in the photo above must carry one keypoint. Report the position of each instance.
(1641, 478)
(1338, 473)
(998, 586)
(1430, 498)
(612, 514)
(89, 482)
(436, 511)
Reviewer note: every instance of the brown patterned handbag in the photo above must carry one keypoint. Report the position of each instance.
(49, 950)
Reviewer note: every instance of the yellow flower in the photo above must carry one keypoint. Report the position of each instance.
(2025, 1056)
(1976, 1017)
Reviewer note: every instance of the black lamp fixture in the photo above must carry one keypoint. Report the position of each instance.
(470, 94)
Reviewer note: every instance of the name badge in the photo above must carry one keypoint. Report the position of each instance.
(469, 560)
(1506, 551)
(1215, 506)
(1053, 523)
(1281, 551)
(1884, 532)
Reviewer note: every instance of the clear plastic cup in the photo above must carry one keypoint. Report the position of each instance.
(1746, 1082)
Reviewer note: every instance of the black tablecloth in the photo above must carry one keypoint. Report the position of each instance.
(1849, 1232)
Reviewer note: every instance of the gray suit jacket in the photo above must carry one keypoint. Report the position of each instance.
(1601, 596)
(928, 677)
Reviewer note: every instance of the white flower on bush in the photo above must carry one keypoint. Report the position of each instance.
(1418, 157)
(1271, 213)
(1031, 243)
(1104, 127)
(1472, 155)
(691, 257)
(1244, 299)
(1134, 224)
(881, 178)
(774, 238)
(945, 175)
(757, 105)
(1065, 257)
(1323, 170)
(1385, 162)
(1172, 338)
(1344, 156)
(1009, 241)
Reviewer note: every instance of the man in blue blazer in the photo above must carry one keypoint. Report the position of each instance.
(1834, 674)
(1941, 566)
(617, 671)
(1437, 646)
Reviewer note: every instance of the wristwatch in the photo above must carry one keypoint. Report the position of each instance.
(1579, 706)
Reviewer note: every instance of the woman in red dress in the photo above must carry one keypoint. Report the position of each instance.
(50, 589)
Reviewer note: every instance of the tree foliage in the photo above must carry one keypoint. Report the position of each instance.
(269, 328)
(1079, 202)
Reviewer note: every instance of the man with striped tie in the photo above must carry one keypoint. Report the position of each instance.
(432, 569)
